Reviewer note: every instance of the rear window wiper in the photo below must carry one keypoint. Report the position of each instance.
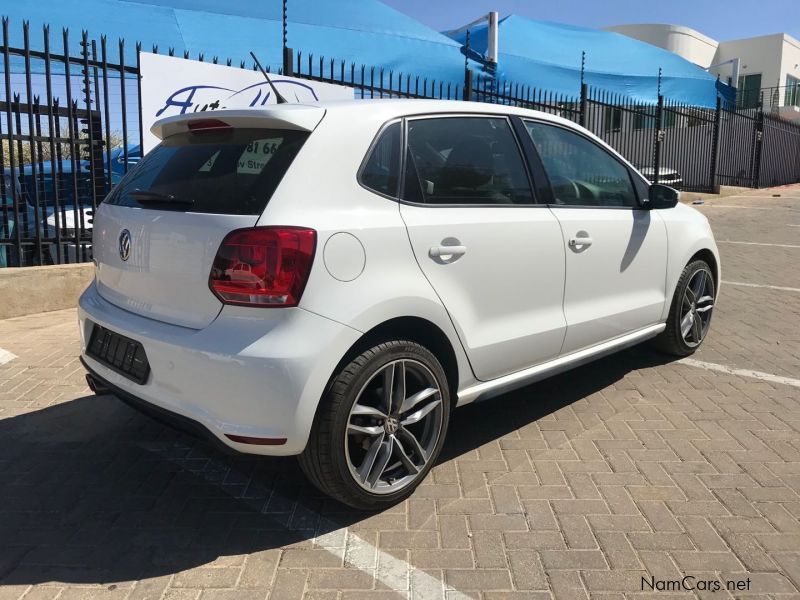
(147, 197)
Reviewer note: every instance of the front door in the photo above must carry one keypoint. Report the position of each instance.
(616, 252)
(494, 257)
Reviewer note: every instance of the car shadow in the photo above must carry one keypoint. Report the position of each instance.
(93, 492)
(492, 419)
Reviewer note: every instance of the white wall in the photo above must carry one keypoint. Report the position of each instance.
(772, 56)
(683, 41)
(790, 59)
(760, 54)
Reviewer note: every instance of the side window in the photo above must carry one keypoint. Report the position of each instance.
(581, 172)
(464, 160)
(380, 172)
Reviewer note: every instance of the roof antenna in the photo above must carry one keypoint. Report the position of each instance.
(278, 98)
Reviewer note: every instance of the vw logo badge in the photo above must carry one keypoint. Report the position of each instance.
(125, 244)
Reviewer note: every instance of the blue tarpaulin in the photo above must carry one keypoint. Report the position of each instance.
(532, 53)
(548, 56)
(361, 31)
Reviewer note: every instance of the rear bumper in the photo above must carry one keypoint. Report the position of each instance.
(161, 415)
(251, 373)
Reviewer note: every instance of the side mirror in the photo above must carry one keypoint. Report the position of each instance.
(662, 196)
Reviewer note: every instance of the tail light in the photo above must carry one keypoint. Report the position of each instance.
(263, 266)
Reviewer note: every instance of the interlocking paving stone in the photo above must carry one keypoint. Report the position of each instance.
(576, 487)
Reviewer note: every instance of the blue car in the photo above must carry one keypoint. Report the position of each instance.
(71, 215)
(118, 161)
(71, 218)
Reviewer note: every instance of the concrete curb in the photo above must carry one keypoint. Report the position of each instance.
(28, 290)
(724, 190)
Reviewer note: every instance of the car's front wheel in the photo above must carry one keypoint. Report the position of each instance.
(380, 426)
(690, 313)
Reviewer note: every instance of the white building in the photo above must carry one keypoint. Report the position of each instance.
(768, 65)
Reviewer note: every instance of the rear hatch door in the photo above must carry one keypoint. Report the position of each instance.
(157, 234)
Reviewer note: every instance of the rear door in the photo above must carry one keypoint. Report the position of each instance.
(494, 256)
(156, 235)
(616, 251)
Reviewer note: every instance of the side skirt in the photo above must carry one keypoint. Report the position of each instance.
(488, 389)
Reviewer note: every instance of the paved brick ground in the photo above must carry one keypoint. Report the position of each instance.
(575, 487)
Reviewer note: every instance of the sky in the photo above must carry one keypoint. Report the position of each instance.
(721, 20)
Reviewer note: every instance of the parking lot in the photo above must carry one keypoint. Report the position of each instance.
(625, 475)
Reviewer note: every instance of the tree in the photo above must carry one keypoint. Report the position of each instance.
(41, 151)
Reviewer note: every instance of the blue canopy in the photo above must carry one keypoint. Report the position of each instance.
(362, 31)
(548, 56)
(535, 53)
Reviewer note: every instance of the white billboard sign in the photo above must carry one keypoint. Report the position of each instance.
(176, 86)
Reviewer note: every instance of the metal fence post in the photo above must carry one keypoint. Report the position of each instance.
(758, 139)
(467, 71)
(94, 154)
(288, 56)
(55, 148)
(139, 94)
(467, 84)
(583, 106)
(712, 175)
(658, 138)
(12, 167)
(33, 194)
(288, 61)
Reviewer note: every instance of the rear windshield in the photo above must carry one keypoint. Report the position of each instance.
(231, 172)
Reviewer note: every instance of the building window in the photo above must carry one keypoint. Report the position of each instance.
(749, 92)
(698, 118)
(792, 91)
(646, 121)
(613, 118)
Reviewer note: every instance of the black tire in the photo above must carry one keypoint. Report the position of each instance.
(671, 340)
(325, 460)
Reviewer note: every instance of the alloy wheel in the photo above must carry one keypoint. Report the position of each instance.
(696, 307)
(394, 426)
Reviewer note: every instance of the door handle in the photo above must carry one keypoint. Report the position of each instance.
(580, 241)
(452, 251)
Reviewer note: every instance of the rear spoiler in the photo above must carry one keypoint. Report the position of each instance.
(283, 116)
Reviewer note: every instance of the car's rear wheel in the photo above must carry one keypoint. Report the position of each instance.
(690, 313)
(380, 426)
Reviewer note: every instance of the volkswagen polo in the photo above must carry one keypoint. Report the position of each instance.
(331, 281)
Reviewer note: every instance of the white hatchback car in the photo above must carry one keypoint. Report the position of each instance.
(331, 281)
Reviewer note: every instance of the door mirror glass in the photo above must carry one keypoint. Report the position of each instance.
(663, 196)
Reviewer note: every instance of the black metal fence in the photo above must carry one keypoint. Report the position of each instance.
(71, 126)
(61, 113)
(694, 149)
